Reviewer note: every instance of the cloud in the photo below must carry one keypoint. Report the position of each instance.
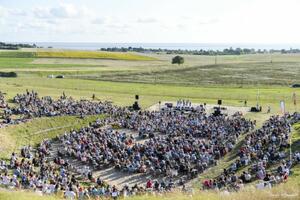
(208, 21)
(147, 20)
(53, 21)
(63, 11)
(118, 26)
(41, 12)
(99, 21)
(3, 11)
(18, 12)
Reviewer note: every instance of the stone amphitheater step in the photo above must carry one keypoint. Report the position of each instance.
(119, 178)
(108, 174)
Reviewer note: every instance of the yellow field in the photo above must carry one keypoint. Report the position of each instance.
(92, 55)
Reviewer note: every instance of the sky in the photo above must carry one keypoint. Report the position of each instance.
(151, 21)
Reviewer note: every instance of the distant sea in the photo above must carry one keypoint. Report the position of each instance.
(182, 46)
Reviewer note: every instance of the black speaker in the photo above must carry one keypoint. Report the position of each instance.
(219, 102)
(217, 112)
(136, 106)
(137, 97)
(169, 105)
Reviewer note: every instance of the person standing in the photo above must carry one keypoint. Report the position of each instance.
(115, 193)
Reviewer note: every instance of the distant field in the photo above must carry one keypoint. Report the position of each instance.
(74, 54)
(234, 71)
(17, 54)
(92, 54)
(234, 74)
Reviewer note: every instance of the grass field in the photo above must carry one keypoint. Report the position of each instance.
(92, 54)
(44, 53)
(232, 71)
(17, 54)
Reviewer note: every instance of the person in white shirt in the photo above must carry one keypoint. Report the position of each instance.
(70, 194)
(114, 193)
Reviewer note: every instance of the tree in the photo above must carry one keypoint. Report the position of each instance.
(178, 60)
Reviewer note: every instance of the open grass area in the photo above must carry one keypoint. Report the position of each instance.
(232, 71)
(238, 75)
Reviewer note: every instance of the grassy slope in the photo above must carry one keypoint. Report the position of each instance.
(34, 131)
(8, 195)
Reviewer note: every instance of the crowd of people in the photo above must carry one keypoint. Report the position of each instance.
(170, 144)
(3, 105)
(29, 105)
(177, 143)
(265, 155)
(2, 100)
(32, 170)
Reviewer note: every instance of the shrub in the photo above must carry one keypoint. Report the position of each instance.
(8, 74)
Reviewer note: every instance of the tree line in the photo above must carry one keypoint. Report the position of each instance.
(10, 46)
(227, 51)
